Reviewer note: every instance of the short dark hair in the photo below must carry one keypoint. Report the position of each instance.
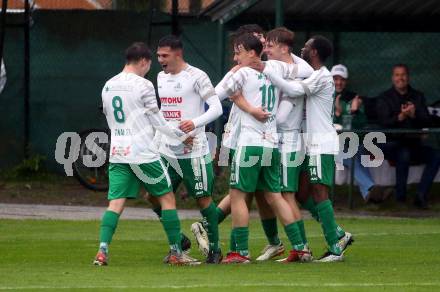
(281, 35)
(249, 28)
(249, 42)
(171, 41)
(323, 46)
(136, 52)
(401, 65)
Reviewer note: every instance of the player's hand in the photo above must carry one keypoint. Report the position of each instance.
(356, 104)
(186, 126)
(189, 141)
(257, 65)
(260, 114)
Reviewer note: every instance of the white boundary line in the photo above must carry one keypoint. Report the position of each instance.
(298, 285)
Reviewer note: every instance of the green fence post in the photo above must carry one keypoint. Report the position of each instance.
(279, 13)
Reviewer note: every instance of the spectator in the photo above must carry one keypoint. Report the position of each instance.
(349, 112)
(404, 107)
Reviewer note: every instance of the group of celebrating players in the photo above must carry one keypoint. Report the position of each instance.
(280, 138)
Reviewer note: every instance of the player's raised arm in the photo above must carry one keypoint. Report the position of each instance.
(304, 69)
(231, 85)
(225, 79)
(298, 70)
(291, 88)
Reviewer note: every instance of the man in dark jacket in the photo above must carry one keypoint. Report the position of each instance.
(404, 107)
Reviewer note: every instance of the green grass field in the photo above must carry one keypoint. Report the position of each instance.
(389, 254)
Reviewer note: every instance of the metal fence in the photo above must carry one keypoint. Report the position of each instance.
(73, 52)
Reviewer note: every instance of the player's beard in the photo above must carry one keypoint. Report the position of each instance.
(305, 57)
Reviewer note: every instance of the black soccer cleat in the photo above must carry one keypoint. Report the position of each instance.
(185, 243)
(214, 257)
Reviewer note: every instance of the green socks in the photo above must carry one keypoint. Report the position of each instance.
(221, 215)
(108, 226)
(171, 225)
(232, 243)
(210, 220)
(271, 230)
(158, 211)
(302, 230)
(329, 226)
(340, 231)
(310, 206)
(294, 234)
(242, 240)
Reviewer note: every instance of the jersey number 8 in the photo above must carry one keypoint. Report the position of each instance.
(117, 109)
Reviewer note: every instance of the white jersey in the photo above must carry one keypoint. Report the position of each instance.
(125, 99)
(290, 127)
(321, 136)
(232, 126)
(259, 92)
(183, 97)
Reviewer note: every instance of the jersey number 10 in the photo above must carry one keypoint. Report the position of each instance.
(269, 92)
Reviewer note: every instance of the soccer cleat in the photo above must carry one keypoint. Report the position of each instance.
(201, 236)
(235, 258)
(329, 257)
(180, 259)
(298, 256)
(101, 258)
(270, 251)
(214, 257)
(346, 240)
(185, 243)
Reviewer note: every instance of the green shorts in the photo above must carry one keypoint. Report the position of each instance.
(260, 173)
(125, 180)
(231, 156)
(290, 170)
(321, 169)
(196, 173)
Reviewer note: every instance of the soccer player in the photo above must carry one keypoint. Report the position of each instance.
(229, 143)
(183, 91)
(321, 138)
(256, 160)
(279, 43)
(130, 106)
(268, 218)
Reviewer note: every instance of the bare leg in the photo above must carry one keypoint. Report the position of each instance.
(117, 205)
(279, 205)
(290, 199)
